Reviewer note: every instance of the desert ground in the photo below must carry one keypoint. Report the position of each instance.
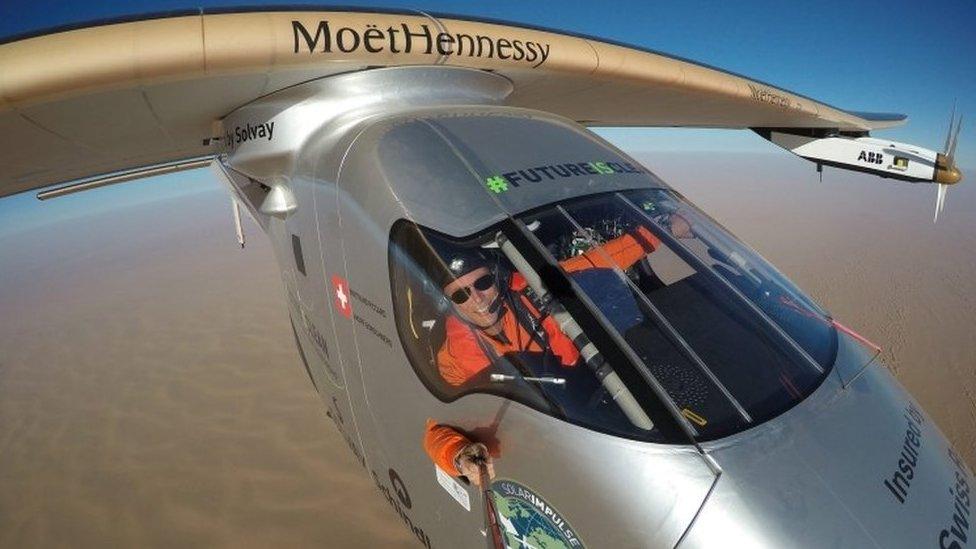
(151, 394)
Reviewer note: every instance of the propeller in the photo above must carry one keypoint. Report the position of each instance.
(946, 172)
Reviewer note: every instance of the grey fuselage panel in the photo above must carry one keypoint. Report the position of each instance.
(436, 146)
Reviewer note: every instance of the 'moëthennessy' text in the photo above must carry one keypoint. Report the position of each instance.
(404, 38)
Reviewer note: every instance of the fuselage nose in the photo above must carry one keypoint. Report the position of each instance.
(860, 465)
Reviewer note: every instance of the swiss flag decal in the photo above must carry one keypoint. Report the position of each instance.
(340, 296)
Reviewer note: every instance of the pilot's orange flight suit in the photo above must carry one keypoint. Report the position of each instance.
(461, 357)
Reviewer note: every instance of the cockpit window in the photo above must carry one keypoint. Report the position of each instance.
(711, 330)
(558, 273)
(775, 299)
(472, 323)
(724, 361)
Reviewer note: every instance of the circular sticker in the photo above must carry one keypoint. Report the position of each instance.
(527, 520)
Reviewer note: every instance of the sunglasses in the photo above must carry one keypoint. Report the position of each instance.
(464, 294)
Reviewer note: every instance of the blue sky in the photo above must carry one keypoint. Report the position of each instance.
(910, 57)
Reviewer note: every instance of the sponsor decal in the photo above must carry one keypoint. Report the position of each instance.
(335, 414)
(340, 291)
(373, 330)
(957, 534)
(321, 349)
(453, 487)
(764, 95)
(319, 343)
(527, 520)
(338, 411)
(872, 157)
(500, 183)
(400, 500)
(405, 38)
(243, 134)
(901, 479)
(369, 304)
(376, 309)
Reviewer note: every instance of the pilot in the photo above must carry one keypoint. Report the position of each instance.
(493, 321)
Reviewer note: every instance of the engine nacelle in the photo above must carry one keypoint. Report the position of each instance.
(867, 154)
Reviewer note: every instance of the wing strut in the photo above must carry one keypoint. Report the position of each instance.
(237, 221)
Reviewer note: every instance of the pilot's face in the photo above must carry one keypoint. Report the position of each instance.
(479, 291)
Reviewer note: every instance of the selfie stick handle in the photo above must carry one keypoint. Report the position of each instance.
(491, 516)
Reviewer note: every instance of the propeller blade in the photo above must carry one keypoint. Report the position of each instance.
(951, 155)
(940, 200)
(952, 120)
(237, 221)
(947, 172)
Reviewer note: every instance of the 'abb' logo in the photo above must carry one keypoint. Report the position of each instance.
(871, 157)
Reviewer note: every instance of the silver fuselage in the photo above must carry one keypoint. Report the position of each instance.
(855, 464)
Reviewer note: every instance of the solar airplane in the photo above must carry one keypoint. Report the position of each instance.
(673, 389)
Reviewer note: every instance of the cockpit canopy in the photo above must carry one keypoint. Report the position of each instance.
(728, 339)
(542, 264)
(461, 172)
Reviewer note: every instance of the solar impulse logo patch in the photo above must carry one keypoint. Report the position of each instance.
(528, 520)
(406, 39)
(500, 183)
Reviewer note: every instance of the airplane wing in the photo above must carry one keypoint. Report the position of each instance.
(113, 97)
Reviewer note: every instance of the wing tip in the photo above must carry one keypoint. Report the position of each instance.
(880, 116)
